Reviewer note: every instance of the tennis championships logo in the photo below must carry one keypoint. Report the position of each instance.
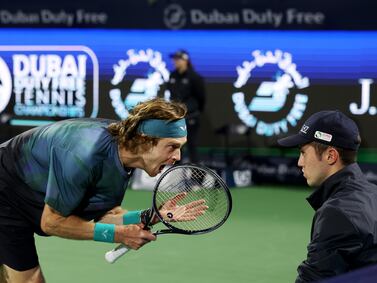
(47, 81)
(271, 96)
(145, 86)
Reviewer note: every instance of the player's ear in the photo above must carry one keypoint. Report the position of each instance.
(332, 155)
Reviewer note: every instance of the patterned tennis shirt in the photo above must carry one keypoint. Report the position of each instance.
(72, 165)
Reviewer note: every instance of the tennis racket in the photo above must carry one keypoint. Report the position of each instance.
(187, 199)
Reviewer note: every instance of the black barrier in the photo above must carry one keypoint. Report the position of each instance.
(247, 167)
(196, 14)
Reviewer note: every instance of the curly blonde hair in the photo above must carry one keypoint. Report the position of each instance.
(125, 132)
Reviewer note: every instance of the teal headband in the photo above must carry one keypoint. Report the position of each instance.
(163, 128)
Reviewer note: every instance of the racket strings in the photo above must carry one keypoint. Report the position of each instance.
(198, 185)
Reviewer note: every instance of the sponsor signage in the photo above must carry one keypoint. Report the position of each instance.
(268, 82)
(196, 14)
(50, 17)
(40, 83)
(145, 86)
(271, 96)
(176, 17)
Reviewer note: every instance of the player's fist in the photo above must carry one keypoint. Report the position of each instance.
(133, 236)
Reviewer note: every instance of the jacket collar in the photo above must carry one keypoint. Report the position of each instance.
(331, 185)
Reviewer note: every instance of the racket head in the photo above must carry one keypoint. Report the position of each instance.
(197, 183)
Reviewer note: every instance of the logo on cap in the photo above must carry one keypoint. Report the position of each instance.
(304, 129)
(323, 136)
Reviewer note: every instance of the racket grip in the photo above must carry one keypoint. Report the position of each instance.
(113, 255)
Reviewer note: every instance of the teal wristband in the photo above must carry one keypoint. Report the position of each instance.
(104, 232)
(132, 217)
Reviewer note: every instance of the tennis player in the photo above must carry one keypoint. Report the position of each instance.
(344, 228)
(56, 179)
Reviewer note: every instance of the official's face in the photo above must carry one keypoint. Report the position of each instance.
(166, 152)
(180, 64)
(314, 168)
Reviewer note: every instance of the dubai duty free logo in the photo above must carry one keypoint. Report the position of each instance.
(40, 82)
(174, 17)
(271, 95)
(149, 78)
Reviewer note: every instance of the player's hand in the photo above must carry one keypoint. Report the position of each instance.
(170, 211)
(133, 236)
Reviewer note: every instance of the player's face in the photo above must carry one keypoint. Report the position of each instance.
(166, 152)
(314, 167)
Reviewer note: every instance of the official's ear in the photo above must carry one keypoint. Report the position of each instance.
(332, 155)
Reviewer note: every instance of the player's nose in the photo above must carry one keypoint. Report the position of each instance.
(176, 156)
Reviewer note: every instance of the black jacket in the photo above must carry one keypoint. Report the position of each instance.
(344, 228)
(188, 88)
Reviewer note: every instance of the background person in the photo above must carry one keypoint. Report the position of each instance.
(55, 179)
(344, 235)
(187, 86)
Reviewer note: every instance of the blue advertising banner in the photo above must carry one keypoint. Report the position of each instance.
(267, 81)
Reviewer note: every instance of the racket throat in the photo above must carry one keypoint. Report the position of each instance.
(170, 231)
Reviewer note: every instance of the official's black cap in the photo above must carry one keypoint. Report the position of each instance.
(180, 54)
(326, 127)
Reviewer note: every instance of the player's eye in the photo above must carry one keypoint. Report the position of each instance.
(173, 147)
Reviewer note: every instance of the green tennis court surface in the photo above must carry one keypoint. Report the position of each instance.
(262, 242)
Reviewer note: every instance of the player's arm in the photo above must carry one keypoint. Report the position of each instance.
(69, 178)
(73, 227)
(114, 216)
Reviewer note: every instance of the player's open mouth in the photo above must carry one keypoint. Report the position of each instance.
(161, 167)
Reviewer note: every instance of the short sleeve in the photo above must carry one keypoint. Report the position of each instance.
(68, 179)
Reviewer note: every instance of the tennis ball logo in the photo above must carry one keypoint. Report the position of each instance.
(317, 135)
(5, 85)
